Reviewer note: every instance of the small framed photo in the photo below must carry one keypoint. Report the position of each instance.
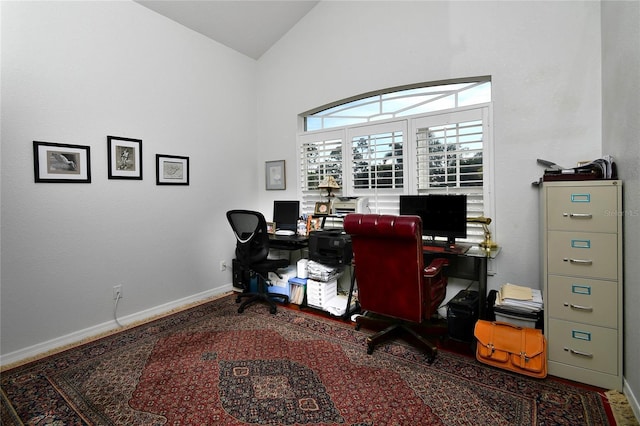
(124, 158)
(275, 175)
(172, 170)
(61, 163)
(313, 224)
(271, 227)
(322, 208)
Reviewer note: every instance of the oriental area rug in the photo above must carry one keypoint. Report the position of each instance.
(210, 365)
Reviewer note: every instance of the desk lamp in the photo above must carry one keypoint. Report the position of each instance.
(329, 183)
(488, 243)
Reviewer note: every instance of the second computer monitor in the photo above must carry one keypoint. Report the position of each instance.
(442, 215)
(286, 214)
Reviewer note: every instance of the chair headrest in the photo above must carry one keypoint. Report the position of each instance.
(375, 225)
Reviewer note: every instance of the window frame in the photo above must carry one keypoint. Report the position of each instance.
(385, 200)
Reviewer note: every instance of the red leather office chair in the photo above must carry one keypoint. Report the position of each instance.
(392, 280)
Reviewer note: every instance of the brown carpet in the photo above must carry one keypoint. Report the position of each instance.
(209, 365)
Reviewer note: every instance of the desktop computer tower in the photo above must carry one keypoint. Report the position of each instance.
(241, 276)
(462, 314)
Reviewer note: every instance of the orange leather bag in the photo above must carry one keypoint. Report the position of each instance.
(519, 349)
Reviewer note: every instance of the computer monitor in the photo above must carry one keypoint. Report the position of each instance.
(442, 215)
(286, 214)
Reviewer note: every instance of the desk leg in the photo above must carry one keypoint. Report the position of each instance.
(482, 284)
(347, 312)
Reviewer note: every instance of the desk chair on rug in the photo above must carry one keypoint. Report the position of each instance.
(252, 249)
(394, 287)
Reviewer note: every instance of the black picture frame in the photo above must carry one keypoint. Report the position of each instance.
(61, 163)
(172, 170)
(124, 158)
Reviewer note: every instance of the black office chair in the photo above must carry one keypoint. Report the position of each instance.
(252, 249)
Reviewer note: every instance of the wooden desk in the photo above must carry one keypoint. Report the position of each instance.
(470, 265)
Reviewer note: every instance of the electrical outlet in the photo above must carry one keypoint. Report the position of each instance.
(223, 265)
(117, 292)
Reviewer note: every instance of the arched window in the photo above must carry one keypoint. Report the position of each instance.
(419, 139)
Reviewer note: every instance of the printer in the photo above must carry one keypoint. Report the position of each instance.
(330, 247)
(342, 206)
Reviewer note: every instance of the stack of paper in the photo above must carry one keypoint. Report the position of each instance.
(320, 272)
(519, 298)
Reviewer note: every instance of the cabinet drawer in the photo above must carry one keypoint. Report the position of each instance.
(585, 346)
(583, 300)
(583, 254)
(582, 209)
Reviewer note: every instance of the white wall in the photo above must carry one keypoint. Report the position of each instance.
(75, 72)
(544, 59)
(621, 138)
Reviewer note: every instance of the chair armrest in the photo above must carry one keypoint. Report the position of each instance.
(435, 267)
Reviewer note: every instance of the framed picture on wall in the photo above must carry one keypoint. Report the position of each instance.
(61, 163)
(275, 175)
(172, 170)
(124, 157)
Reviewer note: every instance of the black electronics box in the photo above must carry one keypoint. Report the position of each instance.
(330, 248)
(462, 314)
(241, 276)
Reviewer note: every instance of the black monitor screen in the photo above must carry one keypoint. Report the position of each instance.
(286, 214)
(442, 215)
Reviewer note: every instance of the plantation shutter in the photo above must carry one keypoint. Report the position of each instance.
(449, 158)
(376, 153)
(320, 156)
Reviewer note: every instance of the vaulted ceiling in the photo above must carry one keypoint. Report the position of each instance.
(249, 27)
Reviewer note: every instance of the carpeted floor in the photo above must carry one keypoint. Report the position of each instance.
(209, 365)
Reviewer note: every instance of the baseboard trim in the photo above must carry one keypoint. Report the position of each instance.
(631, 397)
(58, 344)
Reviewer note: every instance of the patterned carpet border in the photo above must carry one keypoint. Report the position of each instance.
(290, 368)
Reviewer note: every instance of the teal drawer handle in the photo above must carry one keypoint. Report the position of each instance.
(580, 198)
(581, 289)
(581, 244)
(581, 335)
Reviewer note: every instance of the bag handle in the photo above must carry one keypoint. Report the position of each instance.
(517, 327)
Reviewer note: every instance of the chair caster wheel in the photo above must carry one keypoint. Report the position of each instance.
(272, 310)
(238, 299)
(357, 327)
(369, 350)
(240, 310)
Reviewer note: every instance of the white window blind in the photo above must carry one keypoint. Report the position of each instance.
(450, 159)
(321, 155)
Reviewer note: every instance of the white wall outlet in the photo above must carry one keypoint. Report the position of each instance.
(223, 265)
(117, 292)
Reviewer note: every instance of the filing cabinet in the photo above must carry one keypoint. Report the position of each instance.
(582, 278)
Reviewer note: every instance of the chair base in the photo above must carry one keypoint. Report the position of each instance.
(413, 333)
(262, 295)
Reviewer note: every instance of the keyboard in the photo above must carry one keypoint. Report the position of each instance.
(285, 232)
(458, 249)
